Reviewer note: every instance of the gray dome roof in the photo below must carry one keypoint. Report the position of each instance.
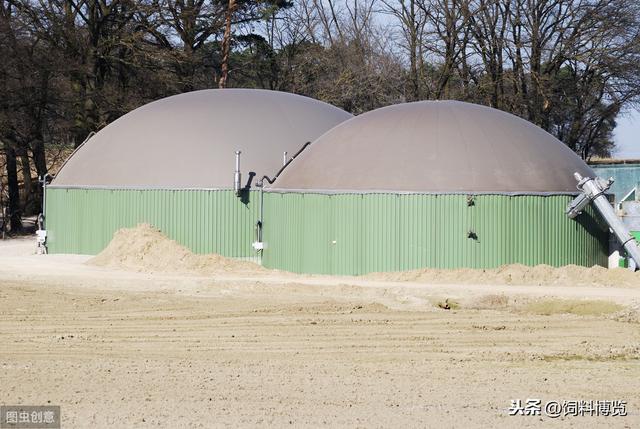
(435, 147)
(189, 140)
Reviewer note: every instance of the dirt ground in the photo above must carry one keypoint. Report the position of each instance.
(117, 348)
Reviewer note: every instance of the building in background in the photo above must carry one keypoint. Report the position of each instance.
(625, 173)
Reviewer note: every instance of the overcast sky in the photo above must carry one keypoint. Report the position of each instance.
(627, 135)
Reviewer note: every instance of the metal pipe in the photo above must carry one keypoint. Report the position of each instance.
(594, 190)
(237, 179)
(284, 158)
(258, 245)
(261, 220)
(43, 180)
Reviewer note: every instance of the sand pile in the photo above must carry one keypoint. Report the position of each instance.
(144, 248)
(519, 275)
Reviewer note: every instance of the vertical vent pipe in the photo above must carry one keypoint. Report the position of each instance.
(237, 179)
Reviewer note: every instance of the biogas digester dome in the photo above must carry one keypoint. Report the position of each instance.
(171, 163)
(429, 184)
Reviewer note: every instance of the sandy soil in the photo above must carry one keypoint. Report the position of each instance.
(122, 348)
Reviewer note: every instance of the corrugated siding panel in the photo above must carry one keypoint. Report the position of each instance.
(356, 234)
(206, 221)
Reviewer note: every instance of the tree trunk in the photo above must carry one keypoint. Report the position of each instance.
(15, 214)
(37, 145)
(226, 44)
(39, 157)
(413, 54)
(27, 189)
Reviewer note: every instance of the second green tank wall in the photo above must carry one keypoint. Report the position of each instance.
(360, 233)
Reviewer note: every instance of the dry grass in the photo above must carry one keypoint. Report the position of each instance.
(517, 274)
(579, 307)
(491, 302)
(578, 357)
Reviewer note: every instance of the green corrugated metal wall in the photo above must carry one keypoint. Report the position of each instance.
(355, 233)
(372, 232)
(206, 221)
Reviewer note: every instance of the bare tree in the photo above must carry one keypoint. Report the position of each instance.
(411, 19)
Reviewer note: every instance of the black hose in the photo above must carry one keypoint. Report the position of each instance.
(270, 180)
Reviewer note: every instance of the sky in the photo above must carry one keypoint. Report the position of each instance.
(627, 136)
